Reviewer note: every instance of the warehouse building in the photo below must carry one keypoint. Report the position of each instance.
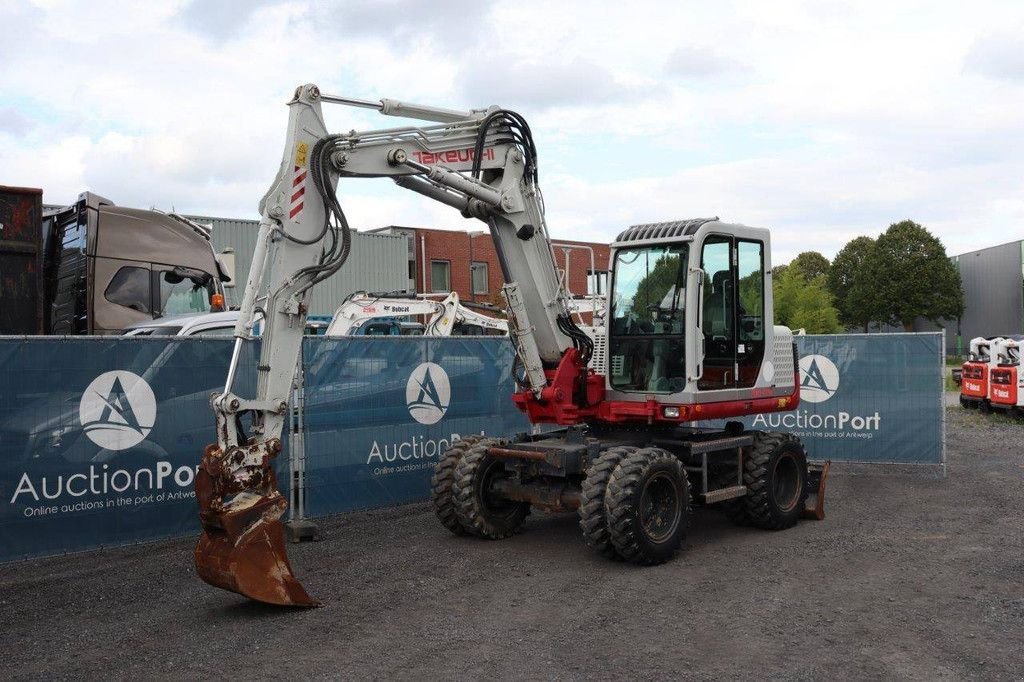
(993, 282)
(377, 262)
(410, 259)
(466, 262)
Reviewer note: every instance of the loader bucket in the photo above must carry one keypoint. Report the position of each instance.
(817, 480)
(242, 548)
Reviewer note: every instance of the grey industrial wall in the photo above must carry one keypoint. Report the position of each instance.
(993, 282)
(377, 263)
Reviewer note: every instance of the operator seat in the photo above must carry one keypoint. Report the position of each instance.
(717, 306)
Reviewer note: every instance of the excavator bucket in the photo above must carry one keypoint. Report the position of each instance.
(242, 548)
(817, 480)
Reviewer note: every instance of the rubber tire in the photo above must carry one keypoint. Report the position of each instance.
(625, 488)
(759, 468)
(441, 484)
(593, 511)
(471, 508)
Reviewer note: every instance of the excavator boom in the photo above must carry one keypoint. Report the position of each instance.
(481, 162)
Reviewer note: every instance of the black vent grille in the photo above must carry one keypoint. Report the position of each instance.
(678, 228)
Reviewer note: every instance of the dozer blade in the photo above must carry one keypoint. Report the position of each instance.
(242, 548)
(817, 480)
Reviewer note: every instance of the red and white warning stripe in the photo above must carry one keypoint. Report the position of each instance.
(298, 190)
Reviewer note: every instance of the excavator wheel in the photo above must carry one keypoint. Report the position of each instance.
(593, 511)
(648, 502)
(479, 511)
(775, 473)
(441, 484)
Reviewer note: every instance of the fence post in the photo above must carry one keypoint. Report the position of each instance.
(298, 527)
(942, 396)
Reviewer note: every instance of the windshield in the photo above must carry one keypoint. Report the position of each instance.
(648, 300)
(649, 291)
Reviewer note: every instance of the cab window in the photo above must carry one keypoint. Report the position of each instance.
(183, 291)
(130, 287)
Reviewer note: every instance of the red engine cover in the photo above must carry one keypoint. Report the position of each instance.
(974, 380)
(1004, 386)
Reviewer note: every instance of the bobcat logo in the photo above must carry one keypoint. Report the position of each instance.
(117, 410)
(428, 393)
(819, 378)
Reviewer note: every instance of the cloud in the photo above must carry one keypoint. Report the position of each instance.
(694, 62)
(404, 24)
(27, 18)
(999, 55)
(537, 85)
(820, 122)
(219, 19)
(13, 122)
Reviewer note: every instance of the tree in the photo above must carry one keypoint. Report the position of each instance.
(913, 277)
(850, 283)
(811, 264)
(659, 281)
(803, 304)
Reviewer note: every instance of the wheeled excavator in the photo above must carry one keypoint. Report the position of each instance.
(444, 314)
(688, 337)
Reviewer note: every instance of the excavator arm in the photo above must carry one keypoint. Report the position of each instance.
(360, 307)
(484, 164)
(443, 313)
(466, 315)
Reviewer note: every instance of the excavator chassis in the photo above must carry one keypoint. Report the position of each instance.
(582, 469)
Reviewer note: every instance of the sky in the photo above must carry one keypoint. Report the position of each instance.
(822, 120)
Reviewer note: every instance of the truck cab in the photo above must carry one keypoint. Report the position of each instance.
(107, 267)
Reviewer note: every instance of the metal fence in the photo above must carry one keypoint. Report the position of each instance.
(100, 438)
(378, 411)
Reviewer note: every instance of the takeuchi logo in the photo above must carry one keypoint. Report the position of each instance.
(819, 378)
(428, 393)
(117, 410)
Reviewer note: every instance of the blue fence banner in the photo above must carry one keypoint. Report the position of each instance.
(100, 438)
(380, 410)
(868, 398)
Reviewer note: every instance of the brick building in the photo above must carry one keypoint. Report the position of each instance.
(446, 260)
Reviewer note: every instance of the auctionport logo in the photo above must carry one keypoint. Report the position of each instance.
(819, 378)
(117, 410)
(428, 393)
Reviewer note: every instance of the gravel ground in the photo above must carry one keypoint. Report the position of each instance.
(910, 577)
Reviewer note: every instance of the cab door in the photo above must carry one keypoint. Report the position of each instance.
(732, 314)
(718, 314)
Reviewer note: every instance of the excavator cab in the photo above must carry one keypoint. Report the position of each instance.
(691, 306)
